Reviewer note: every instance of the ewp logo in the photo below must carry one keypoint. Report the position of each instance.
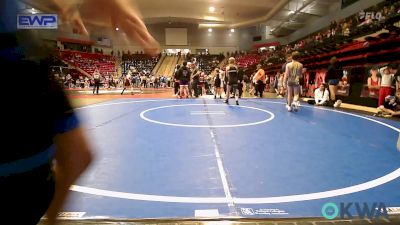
(37, 21)
(330, 210)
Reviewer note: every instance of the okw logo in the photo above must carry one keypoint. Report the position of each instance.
(37, 21)
(331, 211)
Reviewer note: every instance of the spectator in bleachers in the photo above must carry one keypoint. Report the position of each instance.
(333, 27)
(140, 62)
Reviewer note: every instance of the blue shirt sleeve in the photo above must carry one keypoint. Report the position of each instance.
(69, 122)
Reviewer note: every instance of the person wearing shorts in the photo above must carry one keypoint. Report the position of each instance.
(176, 81)
(217, 85)
(128, 82)
(232, 80)
(293, 72)
(334, 74)
(184, 78)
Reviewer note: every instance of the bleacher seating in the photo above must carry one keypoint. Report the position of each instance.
(247, 60)
(89, 61)
(208, 62)
(141, 62)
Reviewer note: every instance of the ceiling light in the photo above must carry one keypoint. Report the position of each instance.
(211, 18)
(232, 30)
(211, 25)
(210, 30)
(211, 9)
(291, 12)
(117, 29)
(33, 9)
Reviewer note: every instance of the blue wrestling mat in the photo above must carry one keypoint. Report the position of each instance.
(203, 158)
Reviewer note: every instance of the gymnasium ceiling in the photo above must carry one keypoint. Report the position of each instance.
(282, 17)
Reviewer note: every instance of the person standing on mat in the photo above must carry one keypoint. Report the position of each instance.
(194, 79)
(49, 150)
(333, 75)
(259, 78)
(184, 78)
(128, 82)
(240, 84)
(176, 81)
(232, 76)
(96, 78)
(293, 71)
(217, 85)
(201, 85)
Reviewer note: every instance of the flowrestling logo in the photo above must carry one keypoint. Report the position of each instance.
(37, 21)
(364, 210)
(370, 15)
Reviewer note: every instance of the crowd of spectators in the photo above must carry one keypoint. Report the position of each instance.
(141, 62)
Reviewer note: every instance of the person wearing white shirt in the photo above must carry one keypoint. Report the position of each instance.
(386, 85)
(321, 96)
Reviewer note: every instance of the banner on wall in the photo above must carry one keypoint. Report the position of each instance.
(369, 93)
(343, 88)
(319, 77)
(344, 85)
